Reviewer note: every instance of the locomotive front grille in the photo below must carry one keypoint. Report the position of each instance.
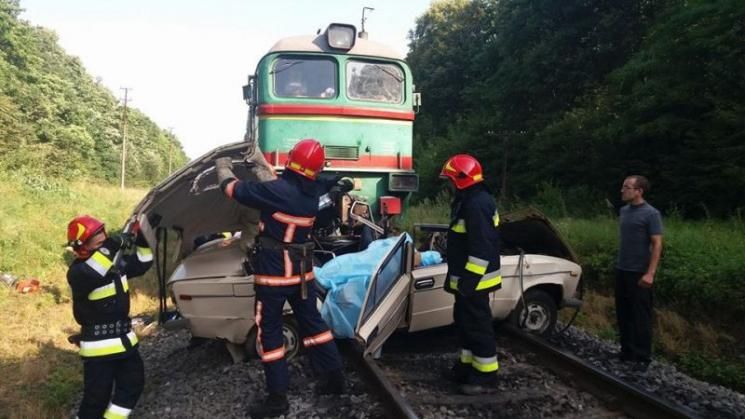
(342, 152)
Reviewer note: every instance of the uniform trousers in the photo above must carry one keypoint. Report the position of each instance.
(317, 338)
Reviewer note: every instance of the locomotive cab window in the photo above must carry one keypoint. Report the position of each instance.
(304, 77)
(377, 82)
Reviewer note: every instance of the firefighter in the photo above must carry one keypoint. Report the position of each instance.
(473, 272)
(282, 266)
(100, 304)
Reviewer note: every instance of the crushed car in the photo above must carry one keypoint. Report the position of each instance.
(201, 239)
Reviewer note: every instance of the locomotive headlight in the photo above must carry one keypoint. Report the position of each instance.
(403, 182)
(341, 36)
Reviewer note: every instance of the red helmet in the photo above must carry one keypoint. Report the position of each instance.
(82, 228)
(463, 170)
(306, 158)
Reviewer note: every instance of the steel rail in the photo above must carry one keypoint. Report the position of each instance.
(393, 402)
(625, 396)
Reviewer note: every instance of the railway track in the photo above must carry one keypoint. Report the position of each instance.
(536, 379)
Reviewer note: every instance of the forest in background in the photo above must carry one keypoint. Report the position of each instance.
(58, 122)
(574, 95)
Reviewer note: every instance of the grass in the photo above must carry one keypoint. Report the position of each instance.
(41, 371)
(699, 288)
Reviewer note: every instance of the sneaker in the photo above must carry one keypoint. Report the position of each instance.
(275, 404)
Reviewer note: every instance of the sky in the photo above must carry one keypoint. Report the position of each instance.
(186, 60)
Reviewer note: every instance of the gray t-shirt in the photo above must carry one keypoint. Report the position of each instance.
(637, 224)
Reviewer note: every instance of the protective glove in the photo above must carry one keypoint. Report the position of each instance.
(345, 184)
(123, 241)
(75, 339)
(110, 246)
(224, 169)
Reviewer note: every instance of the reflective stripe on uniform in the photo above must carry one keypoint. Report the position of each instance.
(489, 364)
(459, 226)
(491, 279)
(99, 263)
(307, 172)
(466, 356)
(476, 265)
(106, 346)
(496, 219)
(292, 219)
(280, 281)
(318, 339)
(108, 290)
(454, 282)
(116, 412)
(273, 355)
(144, 254)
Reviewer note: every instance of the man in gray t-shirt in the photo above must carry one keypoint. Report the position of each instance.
(638, 257)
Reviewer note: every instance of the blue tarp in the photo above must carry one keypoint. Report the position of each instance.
(346, 278)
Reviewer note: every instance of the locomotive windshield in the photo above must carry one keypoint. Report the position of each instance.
(375, 82)
(304, 77)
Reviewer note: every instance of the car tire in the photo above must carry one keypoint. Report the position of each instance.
(291, 336)
(541, 314)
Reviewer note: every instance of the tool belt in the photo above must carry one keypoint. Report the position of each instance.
(300, 253)
(98, 331)
(297, 250)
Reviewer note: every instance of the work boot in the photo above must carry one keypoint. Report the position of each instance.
(333, 382)
(275, 404)
(475, 389)
(479, 385)
(458, 374)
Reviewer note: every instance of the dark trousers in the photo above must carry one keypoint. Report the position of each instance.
(125, 376)
(324, 356)
(634, 313)
(473, 321)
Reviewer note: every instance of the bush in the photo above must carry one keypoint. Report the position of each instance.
(701, 263)
(725, 372)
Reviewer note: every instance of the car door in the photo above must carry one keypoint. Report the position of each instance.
(386, 300)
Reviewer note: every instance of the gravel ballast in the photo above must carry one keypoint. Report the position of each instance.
(203, 382)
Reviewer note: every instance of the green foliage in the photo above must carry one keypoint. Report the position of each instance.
(701, 263)
(726, 372)
(32, 238)
(578, 94)
(56, 121)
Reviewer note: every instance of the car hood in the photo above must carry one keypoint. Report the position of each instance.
(532, 232)
(190, 201)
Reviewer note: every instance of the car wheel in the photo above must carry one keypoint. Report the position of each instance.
(290, 335)
(540, 316)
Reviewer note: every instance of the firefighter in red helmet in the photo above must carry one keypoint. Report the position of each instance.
(473, 272)
(282, 266)
(98, 278)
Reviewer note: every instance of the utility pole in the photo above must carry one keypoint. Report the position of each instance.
(170, 148)
(124, 132)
